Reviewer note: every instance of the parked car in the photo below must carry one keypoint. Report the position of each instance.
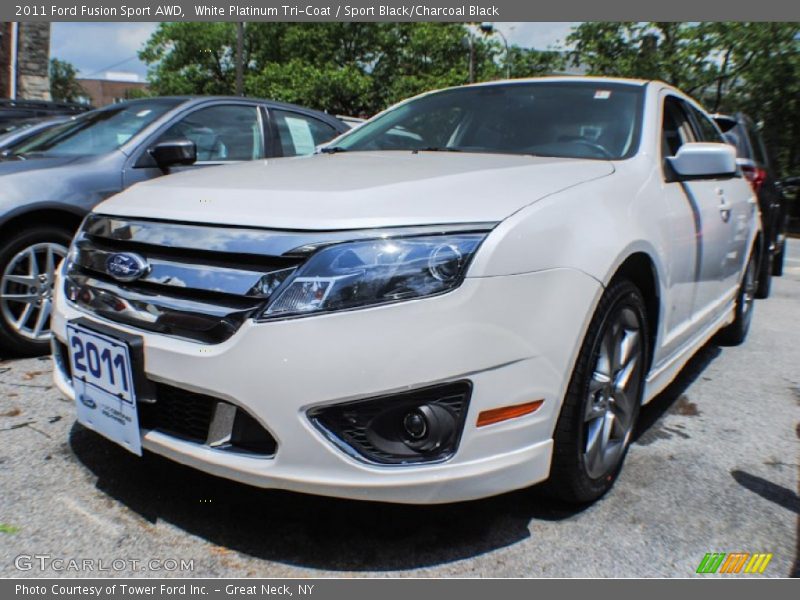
(15, 110)
(49, 182)
(753, 159)
(15, 132)
(790, 188)
(480, 310)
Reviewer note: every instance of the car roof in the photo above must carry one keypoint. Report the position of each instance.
(566, 79)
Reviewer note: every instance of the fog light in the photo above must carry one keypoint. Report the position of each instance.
(415, 425)
(423, 425)
(429, 427)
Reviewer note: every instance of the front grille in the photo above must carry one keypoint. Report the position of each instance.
(189, 416)
(197, 282)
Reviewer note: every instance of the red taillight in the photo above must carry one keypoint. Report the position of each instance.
(755, 176)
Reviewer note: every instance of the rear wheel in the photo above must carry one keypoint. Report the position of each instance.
(764, 275)
(27, 272)
(602, 403)
(735, 333)
(780, 255)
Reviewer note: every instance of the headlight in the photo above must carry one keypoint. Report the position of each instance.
(357, 274)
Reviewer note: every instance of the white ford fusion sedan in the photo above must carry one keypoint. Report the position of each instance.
(471, 293)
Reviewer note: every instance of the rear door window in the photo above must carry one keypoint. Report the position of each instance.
(707, 130)
(301, 134)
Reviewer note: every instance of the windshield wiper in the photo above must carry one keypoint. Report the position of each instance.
(332, 149)
(437, 149)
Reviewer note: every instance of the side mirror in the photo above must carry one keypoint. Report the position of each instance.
(704, 159)
(174, 152)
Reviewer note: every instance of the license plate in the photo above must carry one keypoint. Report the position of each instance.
(103, 380)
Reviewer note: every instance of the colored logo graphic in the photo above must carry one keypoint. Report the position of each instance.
(734, 562)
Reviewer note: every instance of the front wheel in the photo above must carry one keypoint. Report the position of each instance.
(602, 402)
(28, 263)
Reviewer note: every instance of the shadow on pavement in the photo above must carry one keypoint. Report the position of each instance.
(673, 398)
(326, 533)
(309, 531)
(770, 491)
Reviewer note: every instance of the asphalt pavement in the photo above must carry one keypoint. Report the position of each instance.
(714, 468)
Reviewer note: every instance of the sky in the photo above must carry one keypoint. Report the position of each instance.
(95, 48)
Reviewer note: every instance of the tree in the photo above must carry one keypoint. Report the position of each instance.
(64, 86)
(527, 62)
(354, 68)
(727, 66)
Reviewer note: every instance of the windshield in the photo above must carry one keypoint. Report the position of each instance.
(96, 132)
(566, 119)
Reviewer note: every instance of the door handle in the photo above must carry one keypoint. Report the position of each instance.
(725, 209)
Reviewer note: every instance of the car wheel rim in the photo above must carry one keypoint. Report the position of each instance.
(749, 288)
(612, 395)
(26, 290)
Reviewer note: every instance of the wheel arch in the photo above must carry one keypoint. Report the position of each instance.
(48, 215)
(641, 270)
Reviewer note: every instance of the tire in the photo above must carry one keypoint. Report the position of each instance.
(582, 470)
(26, 282)
(764, 279)
(777, 261)
(735, 333)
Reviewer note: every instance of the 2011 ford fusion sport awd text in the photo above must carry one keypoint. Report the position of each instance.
(471, 293)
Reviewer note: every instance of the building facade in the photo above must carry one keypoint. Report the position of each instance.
(25, 60)
(111, 89)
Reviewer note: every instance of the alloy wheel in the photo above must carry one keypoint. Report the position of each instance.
(749, 288)
(26, 290)
(613, 392)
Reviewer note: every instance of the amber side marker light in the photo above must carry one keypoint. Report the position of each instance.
(496, 415)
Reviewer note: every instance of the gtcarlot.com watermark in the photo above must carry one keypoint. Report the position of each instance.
(60, 564)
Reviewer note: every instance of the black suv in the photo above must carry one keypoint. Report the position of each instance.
(741, 132)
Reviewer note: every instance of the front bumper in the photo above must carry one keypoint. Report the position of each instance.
(513, 337)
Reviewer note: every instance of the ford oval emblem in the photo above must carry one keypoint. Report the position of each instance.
(126, 266)
(88, 402)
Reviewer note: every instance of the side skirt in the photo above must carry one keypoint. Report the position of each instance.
(660, 378)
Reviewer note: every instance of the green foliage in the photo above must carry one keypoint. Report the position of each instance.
(191, 58)
(727, 66)
(64, 86)
(11, 529)
(331, 88)
(352, 68)
(527, 62)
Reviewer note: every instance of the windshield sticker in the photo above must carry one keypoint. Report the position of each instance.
(602, 95)
(143, 113)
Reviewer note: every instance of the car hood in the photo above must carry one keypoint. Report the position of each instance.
(12, 164)
(356, 190)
